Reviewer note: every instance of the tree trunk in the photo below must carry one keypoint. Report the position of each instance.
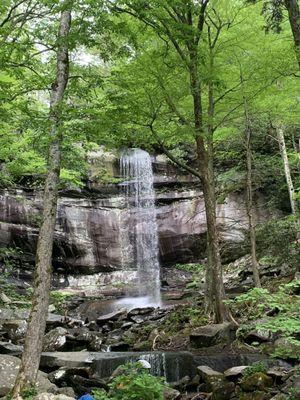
(215, 293)
(294, 17)
(254, 262)
(37, 321)
(287, 171)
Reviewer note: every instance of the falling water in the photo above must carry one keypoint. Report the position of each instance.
(136, 169)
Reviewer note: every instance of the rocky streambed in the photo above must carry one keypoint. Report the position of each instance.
(80, 354)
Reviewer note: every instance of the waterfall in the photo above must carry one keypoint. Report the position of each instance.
(136, 169)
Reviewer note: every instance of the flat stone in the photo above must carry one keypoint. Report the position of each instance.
(235, 371)
(206, 372)
(141, 311)
(113, 316)
(9, 367)
(67, 359)
(210, 335)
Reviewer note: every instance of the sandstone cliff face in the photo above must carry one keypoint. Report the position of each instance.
(92, 226)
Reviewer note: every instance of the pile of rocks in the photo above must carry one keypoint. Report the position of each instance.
(117, 331)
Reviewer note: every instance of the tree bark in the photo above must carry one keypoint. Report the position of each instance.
(293, 9)
(215, 293)
(251, 223)
(287, 170)
(37, 321)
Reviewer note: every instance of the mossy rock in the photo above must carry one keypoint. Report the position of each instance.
(256, 381)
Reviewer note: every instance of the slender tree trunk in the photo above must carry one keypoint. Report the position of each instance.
(251, 222)
(249, 187)
(214, 281)
(294, 17)
(287, 171)
(37, 321)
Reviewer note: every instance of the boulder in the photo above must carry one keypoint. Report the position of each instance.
(55, 339)
(211, 335)
(9, 367)
(257, 381)
(215, 383)
(235, 372)
(171, 394)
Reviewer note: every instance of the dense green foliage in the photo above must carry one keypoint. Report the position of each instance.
(134, 383)
(276, 312)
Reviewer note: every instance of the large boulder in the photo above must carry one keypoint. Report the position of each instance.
(9, 367)
(211, 335)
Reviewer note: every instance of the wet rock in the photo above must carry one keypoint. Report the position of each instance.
(211, 335)
(171, 394)
(113, 316)
(140, 311)
(9, 367)
(235, 372)
(10, 348)
(15, 329)
(256, 381)
(66, 359)
(55, 339)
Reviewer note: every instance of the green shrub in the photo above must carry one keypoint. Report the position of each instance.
(284, 308)
(277, 239)
(135, 383)
(254, 368)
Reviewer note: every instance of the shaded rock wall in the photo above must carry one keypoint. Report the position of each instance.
(93, 225)
(89, 232)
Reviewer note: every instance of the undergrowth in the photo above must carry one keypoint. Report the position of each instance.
(276, 312)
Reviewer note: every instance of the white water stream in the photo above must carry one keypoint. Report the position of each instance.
(136, 169)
